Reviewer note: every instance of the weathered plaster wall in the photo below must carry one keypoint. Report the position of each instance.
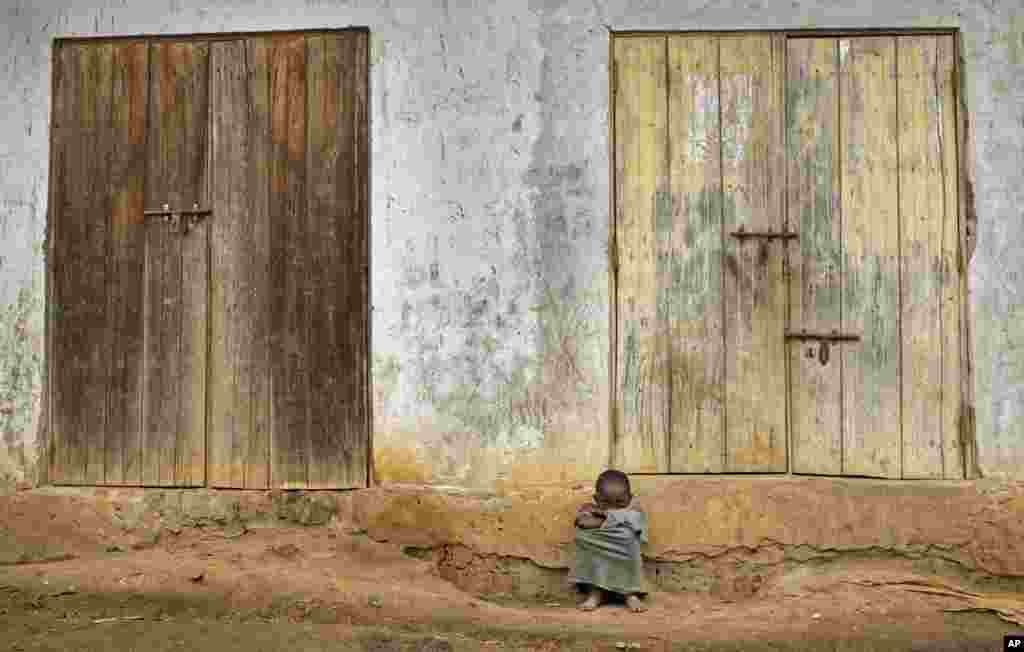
(490, 212)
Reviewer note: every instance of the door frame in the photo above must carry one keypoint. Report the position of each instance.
(966, 225)
(47, 416)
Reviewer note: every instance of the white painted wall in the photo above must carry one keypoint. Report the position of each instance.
(490, 211)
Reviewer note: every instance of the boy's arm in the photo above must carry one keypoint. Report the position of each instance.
(589, 516)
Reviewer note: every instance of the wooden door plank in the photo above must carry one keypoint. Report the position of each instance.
(60, 121)
(257, 246)
(175, 314)
(924, 75)
(325, 200)
(190, 460)
(234, 107)
(63, 150)
(127, 242)
(812, 203)
(754, 288)
(240, 286)
(92, 254)
(289, 269)
(337, 435)
(361, 436)
(966, 233)
(690, 269)
(641, 132)
(870, 272)
(90, 261)
(81, 334)
(950, 294)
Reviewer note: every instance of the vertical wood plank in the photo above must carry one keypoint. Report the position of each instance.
(326, 201)
(289, 269)
(162, 277)
(62, 160)
(82, 233)
(190, 457)
(127, 242)
(230, 403)
(241, 289)
(690, 270)
(870, 273)
(922, 195)
(175, 170)
(813, 202)
(966, 229)
(950, 295)
(641, 170)
(754, 290)
(336, 357)
(82, 277)
(59, 120)
(257, 245)
(94, 244)
(360, 331)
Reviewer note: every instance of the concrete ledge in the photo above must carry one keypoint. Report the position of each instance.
(724, 534)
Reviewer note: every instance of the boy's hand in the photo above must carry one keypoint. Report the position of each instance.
(590, 520)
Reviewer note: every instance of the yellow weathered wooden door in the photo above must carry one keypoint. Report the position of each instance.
(778, 198)
(701, 307)
(872, 191)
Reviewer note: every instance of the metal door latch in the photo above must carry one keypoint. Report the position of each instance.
(770, 234)
(833, 336)
(186, 218)
(824, 338)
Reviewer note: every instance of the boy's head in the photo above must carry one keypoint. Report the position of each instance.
(612, 490)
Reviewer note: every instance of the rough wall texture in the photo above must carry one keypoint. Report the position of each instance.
(490, 213)
(725, 535)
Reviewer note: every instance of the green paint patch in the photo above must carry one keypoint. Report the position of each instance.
(689, 278)
(855, 154)
(801, 92)
(663, 211)
(631, 372)
(377, 49)
(1000, 87)
(702, 122)
(21, 367)
(819, 244)
(386, 371)
(1013, 39)
(736, 133)
(871, 300)
(514, 411)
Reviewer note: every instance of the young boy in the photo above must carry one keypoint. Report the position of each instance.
(608, 537)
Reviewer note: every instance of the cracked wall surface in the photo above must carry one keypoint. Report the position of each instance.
(490, 213)
(728, 536)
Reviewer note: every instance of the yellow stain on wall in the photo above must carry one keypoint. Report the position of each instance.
(393, 464)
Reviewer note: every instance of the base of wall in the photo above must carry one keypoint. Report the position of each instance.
(723, 536)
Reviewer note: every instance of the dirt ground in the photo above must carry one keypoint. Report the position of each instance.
(70, 580)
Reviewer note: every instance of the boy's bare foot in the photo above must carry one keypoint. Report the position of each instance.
(635, 604)
(593, 600)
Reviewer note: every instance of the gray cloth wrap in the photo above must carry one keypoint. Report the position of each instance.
(609, 556)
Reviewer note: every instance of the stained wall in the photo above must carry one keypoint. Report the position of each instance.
(490, 213)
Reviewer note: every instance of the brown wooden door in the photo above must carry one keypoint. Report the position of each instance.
(127, 303)
(232, 353)
(851, 145)
(700, 352)
(290, 303)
